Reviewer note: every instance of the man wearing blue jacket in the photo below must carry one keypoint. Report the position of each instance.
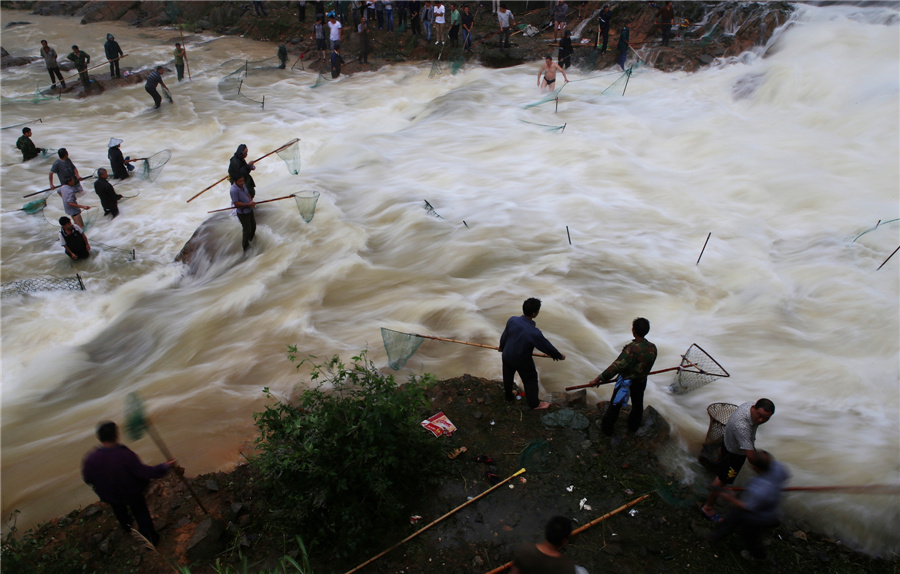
(517, 343)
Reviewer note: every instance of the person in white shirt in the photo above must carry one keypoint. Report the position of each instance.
(334, 28)
(439, 21)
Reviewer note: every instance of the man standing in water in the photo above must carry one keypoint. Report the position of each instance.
(26, 146)
(548, 70)
(113, 53)
(519, 339)
(630, 370)
(64, 168)
(238, 167)
(153, 80)
(622, 46)
(49, 56)
(180, 56)
(243, 206)
(740, 445)
(119, 478)
(81, 61)
(73, 240)
(70, 203)
(109, 199)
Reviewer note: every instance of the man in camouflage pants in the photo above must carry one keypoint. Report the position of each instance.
(630, 370)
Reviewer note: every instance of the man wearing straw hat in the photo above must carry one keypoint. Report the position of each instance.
(243, 207)
(517, 343)
(117, 161)
(119, 478)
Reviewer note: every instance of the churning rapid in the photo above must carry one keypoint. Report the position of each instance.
(784, 159)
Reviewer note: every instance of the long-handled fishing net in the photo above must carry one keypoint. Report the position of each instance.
(719, 413)
(151, 167)
(697, 369)
(547, 127)
(137, 423)
(321, 79)
(401, 346)
(25, 286)
(457, 64)
(306, 204)
(430, 210)
(38, 120)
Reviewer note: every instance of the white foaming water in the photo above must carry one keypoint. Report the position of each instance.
(784, 159)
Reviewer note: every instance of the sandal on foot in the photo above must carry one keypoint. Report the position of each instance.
(715, 517)
(485, 459)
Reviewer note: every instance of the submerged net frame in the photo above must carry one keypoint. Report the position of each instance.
(552, 96)
(233, 85)
(547, 127)
(321, 79)
(25, 286)
(151, 167)
(430, 210)
(306, 204)
(435, 69)
(457, 64)
(126, 254)
(38, 120)
(697, 369)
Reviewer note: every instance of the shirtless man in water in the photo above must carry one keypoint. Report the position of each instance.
(549, 70)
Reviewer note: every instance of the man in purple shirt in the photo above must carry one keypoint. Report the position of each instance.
(518, 341)
(119, 478)
(243, 206)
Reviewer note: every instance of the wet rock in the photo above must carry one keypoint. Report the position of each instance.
(102, 11)
(574, 399)
(92, 511)
(204, 24)
(207, 540)
(13, 24)
(212, 485)
(104, 547)
(184, 521)
(654, 428)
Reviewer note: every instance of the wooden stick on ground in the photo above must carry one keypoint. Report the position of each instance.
(583, 528)
(423, 529)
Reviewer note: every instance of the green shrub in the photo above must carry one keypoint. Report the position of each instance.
(38, 552)
(344, 459)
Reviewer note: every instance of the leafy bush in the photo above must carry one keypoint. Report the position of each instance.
(37, 552)
(344, 459)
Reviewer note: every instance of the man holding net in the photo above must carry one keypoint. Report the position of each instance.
(239, 168)
(740, 445)
(519, 339)
(630, 370)
(243, 206)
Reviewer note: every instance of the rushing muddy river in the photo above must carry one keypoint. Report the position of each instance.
(787, 160)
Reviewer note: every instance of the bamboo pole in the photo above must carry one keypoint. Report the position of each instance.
(290, 143)
(888, 258)
(708, 235)
(583, 528)
(95, 67)
(423, 529)
(256, 202)
(471, 344)
(52, 188)
(162, 446)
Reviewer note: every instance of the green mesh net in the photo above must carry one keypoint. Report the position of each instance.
(151, 167)
(719, 413)
(36, 120)
(44, 93)
(36, 205)
(135, 417)
(620, 83)
(117, 253)
(306, 204)
(435, 69)
(538, 457)
(547, 127)
(291, 156)
(231, 86)
(457, 64)
(48, 153)
(697, 370)
(879, 225)
(430, 210)
(25, 286)
(321, 79)
(552, 96)
(400, 346)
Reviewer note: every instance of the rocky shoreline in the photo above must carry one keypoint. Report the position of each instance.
(705, 32)
(571, 469)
